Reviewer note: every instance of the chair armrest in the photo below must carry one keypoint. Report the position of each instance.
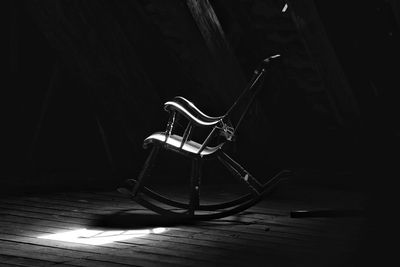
(190, 111)
(194, 109)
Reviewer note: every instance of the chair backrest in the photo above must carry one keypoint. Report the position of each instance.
(216, 126)
(246, 98)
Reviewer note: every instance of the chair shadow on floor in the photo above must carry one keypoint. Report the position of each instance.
(141, 219)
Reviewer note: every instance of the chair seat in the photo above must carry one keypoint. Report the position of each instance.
(175, 141)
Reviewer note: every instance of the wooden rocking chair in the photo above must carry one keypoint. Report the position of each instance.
(211, 148)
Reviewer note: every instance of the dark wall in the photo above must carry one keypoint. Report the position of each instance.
(89, 79)
(51, 128)
(366, 39)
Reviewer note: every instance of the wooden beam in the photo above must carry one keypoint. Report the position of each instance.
(105, 141)
(14, 43)
(230, 74)
(209, 26)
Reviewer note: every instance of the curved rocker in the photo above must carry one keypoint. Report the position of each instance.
(210, 148)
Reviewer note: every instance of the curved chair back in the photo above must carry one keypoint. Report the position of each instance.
(250, 92)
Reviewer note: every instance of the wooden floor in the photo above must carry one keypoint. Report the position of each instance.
(265, 235)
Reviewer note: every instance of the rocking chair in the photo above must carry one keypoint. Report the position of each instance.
(211, 148)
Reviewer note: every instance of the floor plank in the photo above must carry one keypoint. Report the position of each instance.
(263, 234)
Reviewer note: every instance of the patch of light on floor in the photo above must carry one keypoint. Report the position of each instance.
(100, 237)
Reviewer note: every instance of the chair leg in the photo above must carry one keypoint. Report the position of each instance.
(195, 180)
(146, 169)
(241, 173)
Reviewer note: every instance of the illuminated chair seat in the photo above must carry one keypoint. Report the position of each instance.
(174, 142)
(219, 135)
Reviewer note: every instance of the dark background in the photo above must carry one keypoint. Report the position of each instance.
(88, 79)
